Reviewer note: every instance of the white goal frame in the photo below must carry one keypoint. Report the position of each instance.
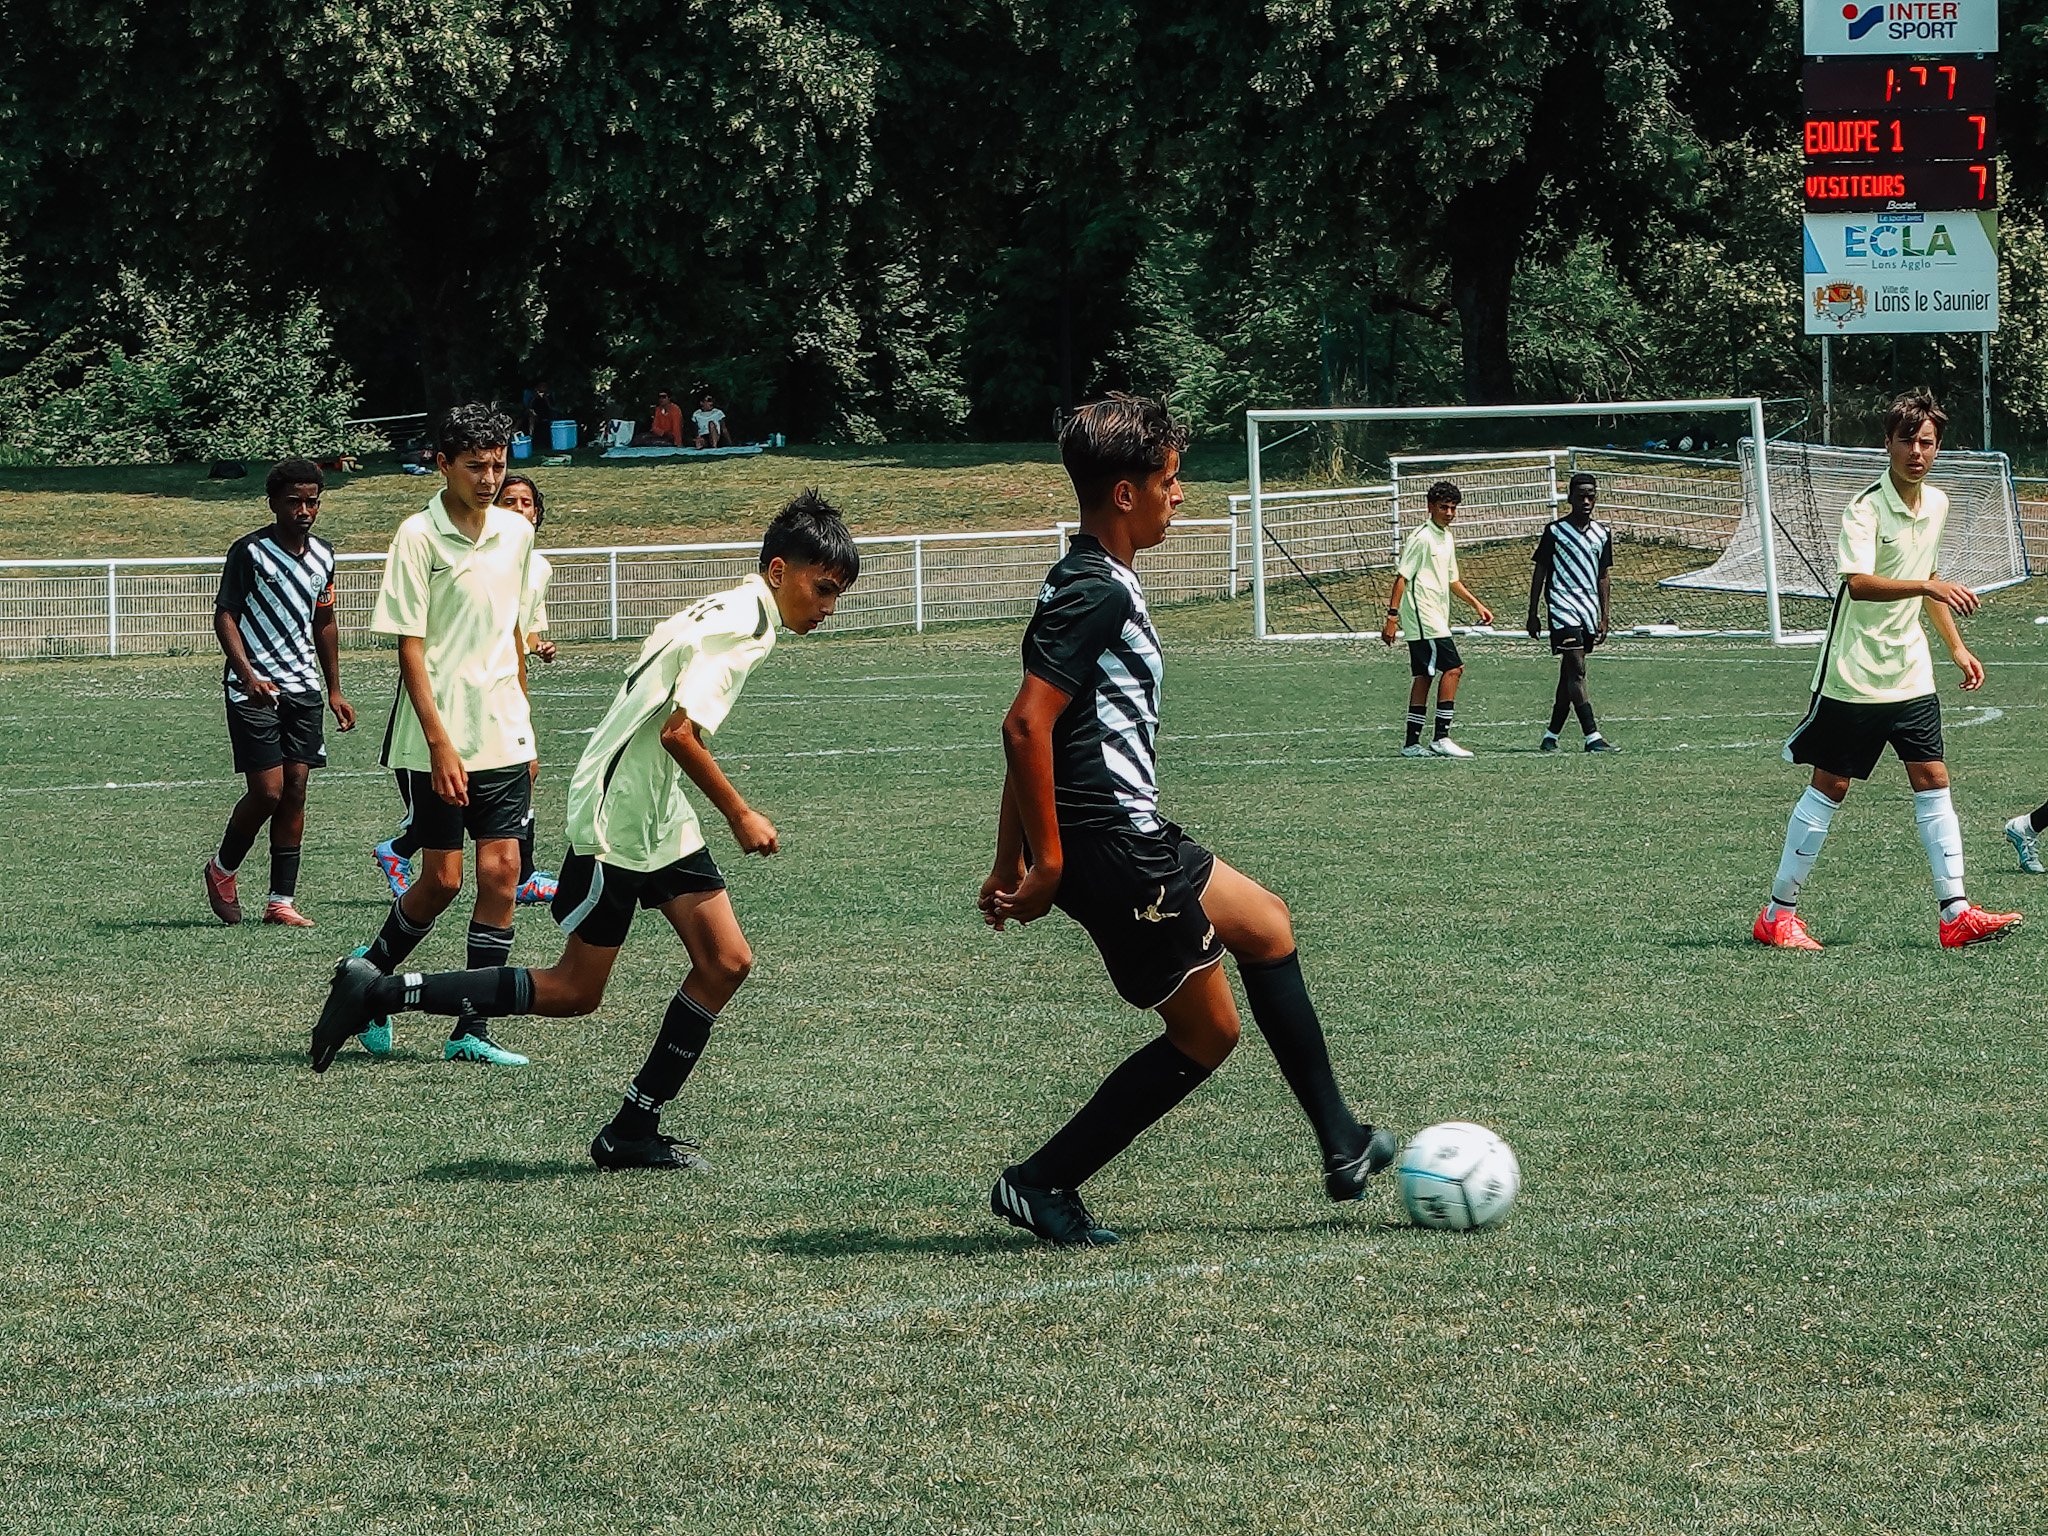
(1751, 405)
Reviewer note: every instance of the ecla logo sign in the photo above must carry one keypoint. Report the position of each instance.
(1887, 242)
(1900, 26)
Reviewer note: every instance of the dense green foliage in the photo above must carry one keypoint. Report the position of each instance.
(864, 222)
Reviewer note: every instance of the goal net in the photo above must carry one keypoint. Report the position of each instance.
(1686, 509)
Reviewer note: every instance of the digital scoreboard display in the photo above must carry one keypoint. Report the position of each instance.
(1899, 135)
(1945, 185)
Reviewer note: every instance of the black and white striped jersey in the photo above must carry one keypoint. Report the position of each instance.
(1569, 562)
(1091, 637)
(272, 594)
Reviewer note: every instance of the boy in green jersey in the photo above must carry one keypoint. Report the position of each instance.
(634, 840)
(1425, 580)
(1874, 684)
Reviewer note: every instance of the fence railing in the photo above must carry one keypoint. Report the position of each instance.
(164, 605)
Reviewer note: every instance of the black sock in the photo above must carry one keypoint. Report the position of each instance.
(1443, 719)
(2039, 819)
(488, 945)
(526, 851)
(284, 871)
(1286, 1017)
(684, 1030)
(490, 992)
(1415, 715)
(1560, 707)
(1584, 707)
(234, 847)
(406, 845)
(399, 937)
(1141, 1090)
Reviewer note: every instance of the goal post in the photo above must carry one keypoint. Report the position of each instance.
(1758, 490)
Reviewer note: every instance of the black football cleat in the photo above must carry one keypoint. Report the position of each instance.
(1052, 1215)
(347, 1011)
(1346, 1181)
(616, 1153)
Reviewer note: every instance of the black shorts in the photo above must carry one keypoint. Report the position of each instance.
(1140, 898)
(499, 801)
(596, 901)
(1572, 637)
(290, 729)
(1428, 658)
(1848, 739)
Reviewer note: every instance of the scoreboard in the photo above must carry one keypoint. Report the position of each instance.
(1899, 166)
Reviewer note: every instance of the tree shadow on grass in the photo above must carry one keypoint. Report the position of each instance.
(500, 1170)
(832, 1242)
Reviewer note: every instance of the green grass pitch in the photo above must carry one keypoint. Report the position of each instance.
(1776, 1265)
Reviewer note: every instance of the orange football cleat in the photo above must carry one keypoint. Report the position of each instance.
(1785, 931)
(287, 914)
(220, 893)
(1973, 925)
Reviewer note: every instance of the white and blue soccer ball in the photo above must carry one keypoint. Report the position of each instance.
(1457, 1175)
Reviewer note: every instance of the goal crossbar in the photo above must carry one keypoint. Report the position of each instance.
(1750, 405)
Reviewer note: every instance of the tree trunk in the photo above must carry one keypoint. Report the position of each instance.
(1488, 225)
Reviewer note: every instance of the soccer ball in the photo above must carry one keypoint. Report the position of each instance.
(1457, 1175)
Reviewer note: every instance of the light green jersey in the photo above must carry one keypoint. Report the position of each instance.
(1876, 653)
(1429, 559)
(626, 802)
(537, 578)
(467, 602)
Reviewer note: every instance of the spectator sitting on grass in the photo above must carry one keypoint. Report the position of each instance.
(710, 423)
(668, 422)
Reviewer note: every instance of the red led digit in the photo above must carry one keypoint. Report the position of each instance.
(1980, 133)
(1983, 175)
(1950, 71)
(1890, 79)
(1898, 144)
(1919, 70)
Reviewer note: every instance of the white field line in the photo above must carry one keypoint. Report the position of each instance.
(825, 1324)
(1985, 717)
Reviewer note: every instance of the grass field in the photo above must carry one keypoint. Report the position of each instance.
(1776, 1266)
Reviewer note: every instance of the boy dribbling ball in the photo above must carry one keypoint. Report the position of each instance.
(1426, 578)
(1080, 829)
(1873, 686)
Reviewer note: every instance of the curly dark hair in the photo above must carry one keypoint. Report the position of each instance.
(1913, 410)
(1444, 490)
(810, 531)
(1119, 437)
(540, 502)
(290, 472)
(472, 425)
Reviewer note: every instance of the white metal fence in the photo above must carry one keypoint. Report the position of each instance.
(52, 608)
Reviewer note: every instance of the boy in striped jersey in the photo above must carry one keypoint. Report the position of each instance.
(1873, 686)
(634, 841)
(274, 617)
(1080, 829)
(1573, 559)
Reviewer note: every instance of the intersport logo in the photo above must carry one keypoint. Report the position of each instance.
(1861, 22)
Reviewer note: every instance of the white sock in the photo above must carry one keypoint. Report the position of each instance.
(279, 901)
(1592, 736)
(1942, 836)
(1804, 834)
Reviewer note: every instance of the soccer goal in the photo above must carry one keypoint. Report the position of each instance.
(1687, 486)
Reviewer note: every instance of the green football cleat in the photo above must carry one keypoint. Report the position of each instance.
(482, 1050)
(376, 1035)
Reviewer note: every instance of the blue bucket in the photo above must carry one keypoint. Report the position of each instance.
(562, 434)
(522, 446)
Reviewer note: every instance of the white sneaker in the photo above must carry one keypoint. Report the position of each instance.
(2026, 842)
(1443, 746)
(1416, 750)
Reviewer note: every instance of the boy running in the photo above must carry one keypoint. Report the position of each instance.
(1573, 559)
(536, 887)
(1874, 684)
(456, 590)
(635, 843)
(274, 617)
(1424, 580)
(1080, 829)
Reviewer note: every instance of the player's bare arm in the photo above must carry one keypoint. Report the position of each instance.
(327, 646)
(1392, 627)
(451, 781)
(1865, 588)
(1606, 594)
(1008, 869)
(226, 628)
(1943, 618)
(1464, 594)
(1027, 747)
(684, 741)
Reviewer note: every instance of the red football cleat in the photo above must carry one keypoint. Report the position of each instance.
(220, 893)
(1785, 931)
(287, 914)
(1973, 925)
